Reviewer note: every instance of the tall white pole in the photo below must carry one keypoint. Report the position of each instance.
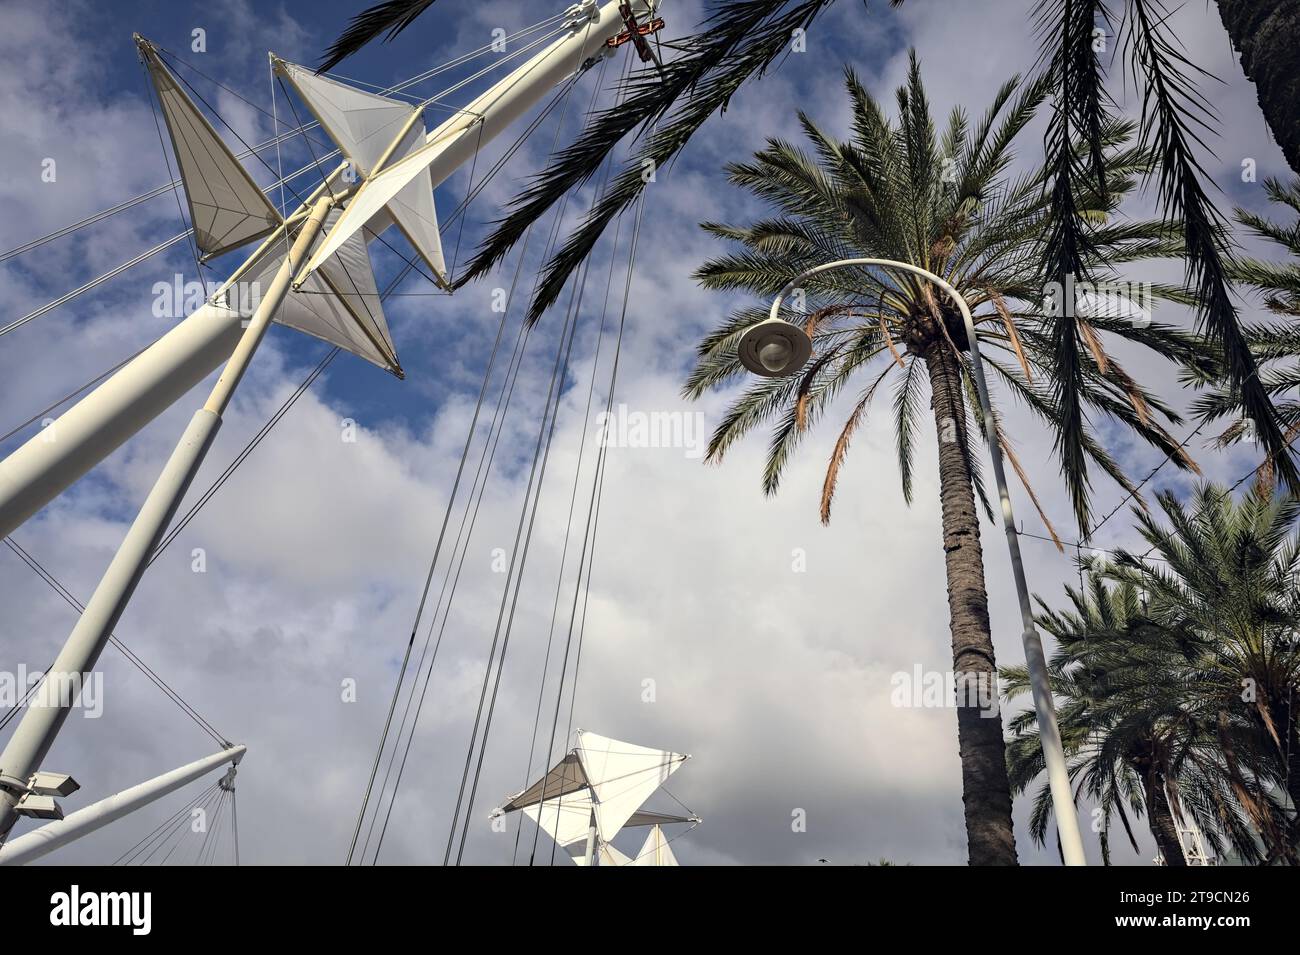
(40, 470)
(1049, 734)
(589, 856)
(32, 845)
(59, 689)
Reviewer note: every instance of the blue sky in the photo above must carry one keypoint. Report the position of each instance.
(777, 681)
(235, 35)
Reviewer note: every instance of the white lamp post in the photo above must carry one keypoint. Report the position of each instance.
(775, 348)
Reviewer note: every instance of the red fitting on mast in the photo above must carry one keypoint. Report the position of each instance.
(637, 32)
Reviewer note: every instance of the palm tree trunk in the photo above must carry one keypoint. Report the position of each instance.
(1267, 35)
(1161, 820)
(1288, 756)
(986, 792)
(1291, 767)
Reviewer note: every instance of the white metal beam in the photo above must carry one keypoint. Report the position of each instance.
(38, 842)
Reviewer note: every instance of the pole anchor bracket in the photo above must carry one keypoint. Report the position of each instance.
(582, 13)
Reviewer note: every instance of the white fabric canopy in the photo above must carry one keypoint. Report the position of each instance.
(656, 850)
(364, 125)
(608, 855)
(622, 776)
(227, 209)
(339, 304)
(603, 776)
(413, 212)
(566, 819)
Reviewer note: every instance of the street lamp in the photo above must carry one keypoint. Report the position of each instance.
(774, 348)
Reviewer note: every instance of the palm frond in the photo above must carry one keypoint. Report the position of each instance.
(1082, 110)
(738, 40)
(1174, 116)
(390, 18)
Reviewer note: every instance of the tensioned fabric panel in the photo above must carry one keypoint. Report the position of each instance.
(339, 304)
(567, 820)
(413, 211)
(563, 778)
(378, 193)
(364, 125)
(643, 818)
(608, 855)
(623, 776)
(656, 850)
(227, 209)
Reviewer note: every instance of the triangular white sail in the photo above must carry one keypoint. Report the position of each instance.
(413, 212)
(339, 304)
(378, 194)
(656, 850)
(365, 125)
(602, 780)
(227, 209)
(622, 776)
(567, 819)
(608, 855)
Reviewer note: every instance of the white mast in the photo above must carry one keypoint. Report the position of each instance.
(226, 207)
(38, 471)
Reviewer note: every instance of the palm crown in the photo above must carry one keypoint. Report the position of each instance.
(948, 204)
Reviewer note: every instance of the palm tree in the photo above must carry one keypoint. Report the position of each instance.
(899, 191)
(1224, 581)
(740, 39)
(1129, 741)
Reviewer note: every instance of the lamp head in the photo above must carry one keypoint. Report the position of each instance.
(774, 348)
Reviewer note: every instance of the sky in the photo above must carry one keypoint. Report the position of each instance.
(718, 622)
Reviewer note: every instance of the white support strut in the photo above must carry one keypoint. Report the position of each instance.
(50, 706)
(32, 845)
(48, 463)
